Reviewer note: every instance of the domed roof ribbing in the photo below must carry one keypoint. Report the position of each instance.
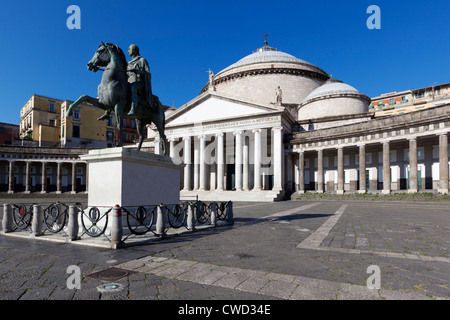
(268, 54)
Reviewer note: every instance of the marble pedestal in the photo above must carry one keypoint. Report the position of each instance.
(131, 178)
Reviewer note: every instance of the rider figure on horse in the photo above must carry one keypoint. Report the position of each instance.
(139, 78)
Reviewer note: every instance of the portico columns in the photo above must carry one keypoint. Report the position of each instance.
(196, 163)
(202, 162)
(278, 151)
(245, 161)
(413, 183)
(257, 160)
(340, 160)
(238, 160)
(320, 171)
(171, 147)
(362, 169)
(443, 164)
(187, 163)
(87, 177)
(301, 172)
(220, 161)
(386, 169)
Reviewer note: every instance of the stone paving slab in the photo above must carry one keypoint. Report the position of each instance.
(278, 285)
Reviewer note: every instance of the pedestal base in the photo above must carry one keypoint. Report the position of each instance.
(131, 178)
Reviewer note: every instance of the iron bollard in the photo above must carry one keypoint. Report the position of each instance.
(116, 225)
(72, 225)
(7, 221)
(230, 212)
(213, 214)
(160, 221)
(190, 218)
(37, 223)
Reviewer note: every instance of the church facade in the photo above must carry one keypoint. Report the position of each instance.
(271, 125)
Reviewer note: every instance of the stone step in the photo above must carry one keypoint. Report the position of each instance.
(260, 195)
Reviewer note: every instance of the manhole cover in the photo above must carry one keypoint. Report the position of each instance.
(111, 274)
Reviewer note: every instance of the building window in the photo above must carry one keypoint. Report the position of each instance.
(76, 131)
(52, 122)
(420, 94)
(110, 122)
(51, 106)
(124, 122)
(76, 115)
(132, 123)
(109, 135)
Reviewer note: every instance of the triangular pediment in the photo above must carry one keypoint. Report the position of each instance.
(214, 107)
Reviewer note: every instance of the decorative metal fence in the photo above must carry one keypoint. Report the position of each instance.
(116, 224)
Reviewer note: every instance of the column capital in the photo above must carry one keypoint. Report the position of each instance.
(219, 134)
(238, 132)
(201, 136)
(186, 138)
(277, 128)
(258, 130)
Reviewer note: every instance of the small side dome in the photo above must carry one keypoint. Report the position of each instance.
(333, 98)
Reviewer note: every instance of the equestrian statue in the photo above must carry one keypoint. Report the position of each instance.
(125, 89)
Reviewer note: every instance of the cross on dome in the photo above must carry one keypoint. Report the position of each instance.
(265, 38)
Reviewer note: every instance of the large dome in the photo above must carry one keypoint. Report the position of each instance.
(333, 98)
(257, 76)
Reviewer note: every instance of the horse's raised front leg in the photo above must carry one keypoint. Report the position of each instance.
(85, 99)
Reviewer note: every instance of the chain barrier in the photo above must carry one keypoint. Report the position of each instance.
(140, 220)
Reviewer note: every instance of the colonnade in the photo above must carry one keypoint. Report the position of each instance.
(385, 146)
(248, 173)
(43, 174)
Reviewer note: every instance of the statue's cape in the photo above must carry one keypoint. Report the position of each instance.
(141, 64)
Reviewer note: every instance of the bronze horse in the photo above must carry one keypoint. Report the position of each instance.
(114, 94)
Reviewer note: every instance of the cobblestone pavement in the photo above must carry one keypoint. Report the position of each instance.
(293, 250)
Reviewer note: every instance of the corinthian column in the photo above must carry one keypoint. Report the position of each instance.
(238, 161)
(257, 165)
(187, 163)
(278, 151)
(202, 162)
(220, 161)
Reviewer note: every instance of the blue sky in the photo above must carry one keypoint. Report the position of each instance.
(183, 39)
